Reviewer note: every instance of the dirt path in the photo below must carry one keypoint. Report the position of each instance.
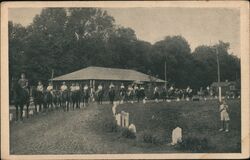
(63, 133)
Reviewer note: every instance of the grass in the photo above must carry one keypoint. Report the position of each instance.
(91, 130)
(197, 119)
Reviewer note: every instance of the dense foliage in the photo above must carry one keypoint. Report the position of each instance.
(65, 40)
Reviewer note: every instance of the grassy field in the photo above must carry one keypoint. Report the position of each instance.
(88, 130)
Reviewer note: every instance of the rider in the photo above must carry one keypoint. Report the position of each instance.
(72, 87)
(50, 87)
(77, 87)
(39, 87)
(99, 88)
(64, 87)
(23, 82)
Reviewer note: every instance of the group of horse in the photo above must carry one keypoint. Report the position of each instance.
(55, 99)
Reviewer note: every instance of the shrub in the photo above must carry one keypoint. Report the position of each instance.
(149, 137)
(194, 144)
(126, 133)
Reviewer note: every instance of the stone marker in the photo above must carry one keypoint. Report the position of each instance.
(187, 99)
(118, 119)
(144, 101)
(168, 100)
(37, 109)
(121, 102)
(132, 128)
(126, 120)
(178, 99)
(11, 116)
(176, 135)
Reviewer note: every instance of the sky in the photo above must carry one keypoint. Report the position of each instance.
(199, 26)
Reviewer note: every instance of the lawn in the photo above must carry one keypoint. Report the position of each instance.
(197, 119)
(88, 130)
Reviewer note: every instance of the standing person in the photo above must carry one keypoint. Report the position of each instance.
(64, 97)
(78, 95)
(164, 94)
(137, 92)
(111, 93)
(224, 115)
(85, 95)
(142, 92)
(122, 93)
(156, 94)
(99, 93)
(130, 94)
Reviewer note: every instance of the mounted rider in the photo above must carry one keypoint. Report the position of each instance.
(23, 82)
(50, 88)
(39, 87)
(63, 87)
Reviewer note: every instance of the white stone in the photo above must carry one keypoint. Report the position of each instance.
(205, 99)
(156, 100)
(37, 109)
(118, 119)
(144, 101)
(31, 112)
(132, 128)
(178, 99)
(126, 120)
(187, 99)
(11, 116)
(168, 100)
(176, 135)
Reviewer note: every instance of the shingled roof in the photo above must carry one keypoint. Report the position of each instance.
(102, 73)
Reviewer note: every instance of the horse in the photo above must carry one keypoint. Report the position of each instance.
(47, 100)
(75, 97)
(137, 94)
(21, 98)
(56, 98)
(38, 99)
(65, 100)
(111, 95)
(85, 97)
(99, 95)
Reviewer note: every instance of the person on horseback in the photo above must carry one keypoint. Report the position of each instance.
(86, 95)
(111, 93)
(23, 82)
(137, 92)
(99, 93)
(50, 88)
(63, 87)
(122, 93)
(39, 87)
(142, 92)
(130, 94)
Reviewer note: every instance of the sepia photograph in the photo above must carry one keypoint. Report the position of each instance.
(112, 78)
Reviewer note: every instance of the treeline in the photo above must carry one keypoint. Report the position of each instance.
(68, 39)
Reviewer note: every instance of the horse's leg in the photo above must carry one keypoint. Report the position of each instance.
(27, 110)
(16, 105)
(21, 112)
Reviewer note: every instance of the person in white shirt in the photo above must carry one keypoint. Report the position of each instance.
(50, 87)
(224, 115)
(111, 85)
(72, 87)
(77, 87)
(64, 87)
(39, 86)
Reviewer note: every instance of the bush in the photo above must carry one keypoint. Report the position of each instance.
(126, 133)
(149, 137)
(194, 144)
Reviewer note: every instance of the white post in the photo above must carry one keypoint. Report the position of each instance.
(220, 94)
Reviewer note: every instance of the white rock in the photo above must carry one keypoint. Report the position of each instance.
(132, 128)
(118, 119)
(144, 101)
(187, 99)
(178, 99)
(114, 109)
(168, 100)
(176, 135)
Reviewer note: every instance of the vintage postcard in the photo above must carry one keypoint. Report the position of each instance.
(125, 80)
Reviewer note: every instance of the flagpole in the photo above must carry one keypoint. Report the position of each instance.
(218, 72)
